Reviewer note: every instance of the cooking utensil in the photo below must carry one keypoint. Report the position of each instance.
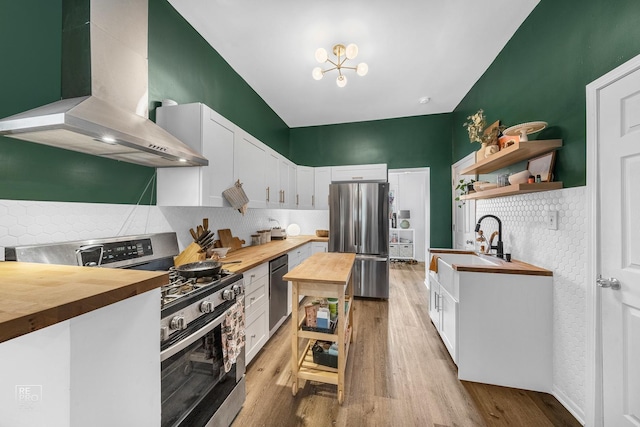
(206, 235)
(193, 234)
(202, 268)
(205, 223)
(206, 243)
(199, 231)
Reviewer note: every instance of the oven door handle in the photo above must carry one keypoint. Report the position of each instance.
(182, 344)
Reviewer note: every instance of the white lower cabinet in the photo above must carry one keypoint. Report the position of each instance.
(496, 327)
(319, 247)
(256, 300)
(443, 310)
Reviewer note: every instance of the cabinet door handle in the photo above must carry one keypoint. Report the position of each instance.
(267, 194)
(435, 302)
(313, 200)
(297, 199)
(283, 197)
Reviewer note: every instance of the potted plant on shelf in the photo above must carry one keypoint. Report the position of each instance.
(465, 186)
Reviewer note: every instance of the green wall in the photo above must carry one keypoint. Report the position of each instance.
(542, 72)
(411, 142)
(183, 67)
(30, 36)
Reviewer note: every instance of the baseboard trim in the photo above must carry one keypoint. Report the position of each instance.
(569, 405)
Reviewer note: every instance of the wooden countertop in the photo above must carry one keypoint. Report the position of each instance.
(253, 256)
(323, 267)
(504, 267)
(34, 296)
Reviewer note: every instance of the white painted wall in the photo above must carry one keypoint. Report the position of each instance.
(564, 252)
(411, 191)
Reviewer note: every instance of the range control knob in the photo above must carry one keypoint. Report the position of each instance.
(206, 307)
(228, 295)
(237, 289)
(178, 322)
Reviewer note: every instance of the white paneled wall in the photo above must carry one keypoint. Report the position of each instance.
(562, 251)
(27, 222)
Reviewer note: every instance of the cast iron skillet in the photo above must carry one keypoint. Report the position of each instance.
(202, 268)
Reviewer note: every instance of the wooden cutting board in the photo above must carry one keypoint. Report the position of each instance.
(236, 243)
(225, 237)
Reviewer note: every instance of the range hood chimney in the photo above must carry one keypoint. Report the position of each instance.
(105, 97)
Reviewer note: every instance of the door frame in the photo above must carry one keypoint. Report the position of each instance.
(594, 394)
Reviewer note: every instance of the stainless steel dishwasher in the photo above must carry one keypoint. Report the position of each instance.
(278, 288)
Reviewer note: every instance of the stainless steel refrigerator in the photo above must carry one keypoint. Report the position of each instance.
(359, 223)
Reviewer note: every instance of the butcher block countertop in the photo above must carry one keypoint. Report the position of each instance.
(253, 256)
(504, 267)
(323, 267)
(34, 296)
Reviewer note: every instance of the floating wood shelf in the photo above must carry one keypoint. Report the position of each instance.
(511, 190)
(519, 151)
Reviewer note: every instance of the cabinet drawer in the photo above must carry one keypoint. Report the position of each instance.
(256, 333)
(254, 274)
(405, 250)
(256, 295)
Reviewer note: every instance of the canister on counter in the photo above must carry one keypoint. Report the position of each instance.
(255, 239)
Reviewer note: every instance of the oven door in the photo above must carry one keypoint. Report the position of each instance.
(194, 383)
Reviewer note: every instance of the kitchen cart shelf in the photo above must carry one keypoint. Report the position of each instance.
(523, 150)
(327, 275)
(511, 190)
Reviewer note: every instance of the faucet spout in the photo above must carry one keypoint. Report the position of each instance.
(499, 247)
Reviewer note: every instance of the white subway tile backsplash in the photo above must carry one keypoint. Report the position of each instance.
(33, 222)
(563, 251)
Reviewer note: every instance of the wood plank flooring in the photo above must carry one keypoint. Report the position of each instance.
(399, 373)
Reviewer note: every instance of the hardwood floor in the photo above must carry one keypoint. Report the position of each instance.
(399, 373)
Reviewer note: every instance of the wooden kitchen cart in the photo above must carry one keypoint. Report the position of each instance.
(326, 275)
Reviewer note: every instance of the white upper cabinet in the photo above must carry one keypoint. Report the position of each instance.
(305, 187)
(272, 178)
(208, 133)
(287, 193)
(376, 172)
(322, 180)
(250, 160)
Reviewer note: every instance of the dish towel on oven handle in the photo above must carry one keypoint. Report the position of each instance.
(233, 333)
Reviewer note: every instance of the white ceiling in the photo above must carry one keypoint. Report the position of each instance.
(414, 48)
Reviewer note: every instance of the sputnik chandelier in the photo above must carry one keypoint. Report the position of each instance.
(343, 54)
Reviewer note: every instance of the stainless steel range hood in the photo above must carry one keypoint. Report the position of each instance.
(104, 108)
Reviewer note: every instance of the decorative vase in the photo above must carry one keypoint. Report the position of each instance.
(481, 153)
(491, 149)
(404, 224)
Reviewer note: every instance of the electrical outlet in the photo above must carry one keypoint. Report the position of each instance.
(552, 220)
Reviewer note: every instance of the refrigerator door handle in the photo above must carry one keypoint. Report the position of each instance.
(371, 258)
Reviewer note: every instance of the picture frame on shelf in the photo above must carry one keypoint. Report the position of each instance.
(543, 166)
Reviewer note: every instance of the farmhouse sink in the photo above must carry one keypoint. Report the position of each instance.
(494, 317)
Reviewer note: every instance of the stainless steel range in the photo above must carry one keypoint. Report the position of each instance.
(198, 387)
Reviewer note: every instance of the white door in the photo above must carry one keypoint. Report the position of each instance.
(619, 248)
(463, 214)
